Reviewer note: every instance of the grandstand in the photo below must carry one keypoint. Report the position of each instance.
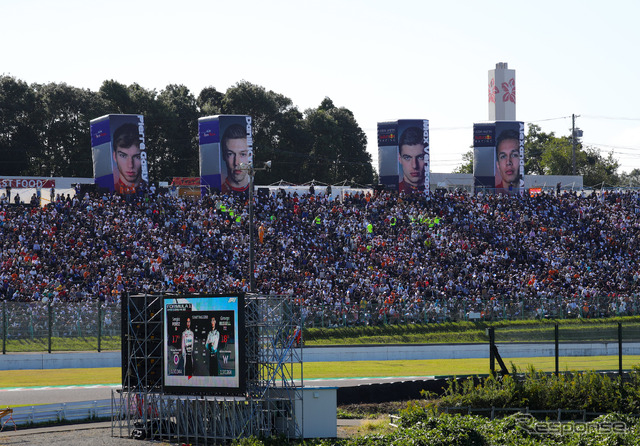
(361, 258)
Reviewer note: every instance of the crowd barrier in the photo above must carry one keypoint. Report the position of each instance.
(92, 326)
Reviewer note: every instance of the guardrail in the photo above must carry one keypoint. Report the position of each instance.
(61, 412)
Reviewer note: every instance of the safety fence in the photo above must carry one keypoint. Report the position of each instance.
(69, 326)
(93, 326)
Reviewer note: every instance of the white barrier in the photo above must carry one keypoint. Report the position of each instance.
(463, 351)
(40, 361)
(388, 352)
(79, 411)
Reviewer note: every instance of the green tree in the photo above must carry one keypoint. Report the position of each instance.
(338, 149)
(117, 97)
(599, 169)
(20, 145)
(631, 179)
(175, 148)
(210, 102)
(467, 163)
(64, 129)
(547, 154)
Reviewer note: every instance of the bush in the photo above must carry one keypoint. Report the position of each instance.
(589, 391)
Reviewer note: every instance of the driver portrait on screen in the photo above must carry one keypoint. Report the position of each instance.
(126, 155)
(507, 161)
(187, 348)
(212, 346)
(412, 159)
(235, 151)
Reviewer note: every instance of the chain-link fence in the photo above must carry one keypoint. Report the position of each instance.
(588, 340)
(72, 326)
(434, 310)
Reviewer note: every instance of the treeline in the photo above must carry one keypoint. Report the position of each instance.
(44, 131)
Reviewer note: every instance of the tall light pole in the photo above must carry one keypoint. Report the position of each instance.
(575, 133)
(252, 171)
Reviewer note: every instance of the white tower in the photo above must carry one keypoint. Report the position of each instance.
(502, 93)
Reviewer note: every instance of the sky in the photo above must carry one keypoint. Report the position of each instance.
(383, 60)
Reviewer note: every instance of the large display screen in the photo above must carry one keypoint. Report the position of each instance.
(204, 345)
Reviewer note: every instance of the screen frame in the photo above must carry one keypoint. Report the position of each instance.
(201, 384)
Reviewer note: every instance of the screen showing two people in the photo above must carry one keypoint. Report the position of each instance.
(187, 350)
(412, 158)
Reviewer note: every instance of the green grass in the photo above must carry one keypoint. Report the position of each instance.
(39, 345)
(595, 330)
(327, 370)
(473, 332)
(59, 377)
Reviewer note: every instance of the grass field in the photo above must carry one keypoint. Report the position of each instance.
(327, 370)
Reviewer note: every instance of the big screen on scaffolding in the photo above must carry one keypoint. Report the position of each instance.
(204, 345)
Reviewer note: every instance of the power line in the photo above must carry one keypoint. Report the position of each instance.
(612, 118)
(610, 146)
(548, 119)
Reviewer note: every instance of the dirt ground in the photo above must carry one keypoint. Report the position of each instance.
(368, 418)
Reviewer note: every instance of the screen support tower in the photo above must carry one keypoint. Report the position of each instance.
(141, 409)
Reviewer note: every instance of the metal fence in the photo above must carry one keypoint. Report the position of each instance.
(37, 326)
(92, 326)
(436, 310)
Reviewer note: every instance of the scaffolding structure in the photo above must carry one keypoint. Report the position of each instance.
(141, 409)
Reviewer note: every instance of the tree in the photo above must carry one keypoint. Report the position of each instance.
(598, 169)
(117, 97)
(20, 111)
(631, 179)
(338, 151)
(176, 147)
(467, 163)
(547, 154)
(64, 129)
(210, 102)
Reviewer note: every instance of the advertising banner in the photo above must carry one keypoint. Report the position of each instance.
(413, 155)
(403, 155)
(509, 174)
(498, 157)
(27, 183)
(119, 153)
(226, 152)
(388, 166)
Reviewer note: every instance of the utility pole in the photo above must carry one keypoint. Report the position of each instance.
(248, 167)
(573, 144)
(575, 133)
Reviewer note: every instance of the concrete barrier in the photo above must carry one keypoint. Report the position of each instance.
(461, 351)
(387, 352)
(38, 361)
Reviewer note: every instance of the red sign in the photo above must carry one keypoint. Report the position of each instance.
(26, 183)
(186, 181)
(535, 191)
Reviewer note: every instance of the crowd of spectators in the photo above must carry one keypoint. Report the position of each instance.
(361, 259)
